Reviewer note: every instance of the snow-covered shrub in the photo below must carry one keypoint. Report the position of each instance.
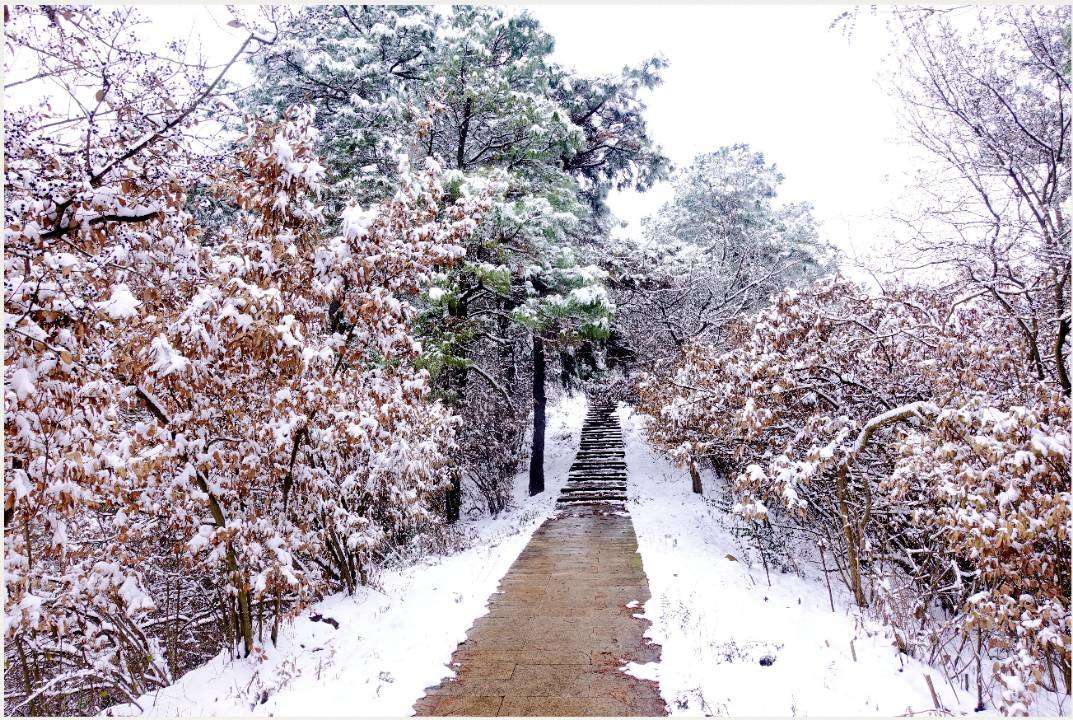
(199, 436)
(911, 432)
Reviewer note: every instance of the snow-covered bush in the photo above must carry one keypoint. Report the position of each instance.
(202, 432)
(915, 436)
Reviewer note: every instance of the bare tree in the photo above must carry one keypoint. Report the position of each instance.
(985, 92)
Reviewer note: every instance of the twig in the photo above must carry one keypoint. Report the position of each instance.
(931, 689)
(827, 577)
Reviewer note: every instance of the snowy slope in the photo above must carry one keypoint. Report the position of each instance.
(717, 619)
(392, 642)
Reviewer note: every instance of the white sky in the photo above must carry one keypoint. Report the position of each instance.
(775, 77)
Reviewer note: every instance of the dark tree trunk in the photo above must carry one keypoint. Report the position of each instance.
(694, 475)
(1060, 355)
(463, 131)
(506, 350)
(536, 462)
(454, 383)
(453, 505)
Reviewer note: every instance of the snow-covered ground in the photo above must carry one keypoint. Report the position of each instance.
(732, 644)
(391, 642)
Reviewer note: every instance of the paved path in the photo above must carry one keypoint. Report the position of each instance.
(559, 628)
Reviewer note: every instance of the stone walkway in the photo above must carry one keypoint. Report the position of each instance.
(561, 625)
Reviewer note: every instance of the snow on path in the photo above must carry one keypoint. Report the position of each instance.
(732, 645)
(391, 643)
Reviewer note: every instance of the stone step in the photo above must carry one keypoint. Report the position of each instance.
(583, 481)
(617, 465)
(597, 474)
(581, 497)
(619, 488)
(606, 454)
(584, 463)
(614, 504)
(591, 497)
(576, 481)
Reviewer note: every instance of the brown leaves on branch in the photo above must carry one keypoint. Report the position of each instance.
(915, 436)
(200, 431)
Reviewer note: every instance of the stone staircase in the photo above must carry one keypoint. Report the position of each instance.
(598, 475)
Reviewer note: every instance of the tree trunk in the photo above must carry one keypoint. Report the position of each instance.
(245, 618)
(852, 546)
(454, 383)
(453, 506)
(1060, 355)
(694, 475)
(536, 462)
(463, 131)
(506, 349)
